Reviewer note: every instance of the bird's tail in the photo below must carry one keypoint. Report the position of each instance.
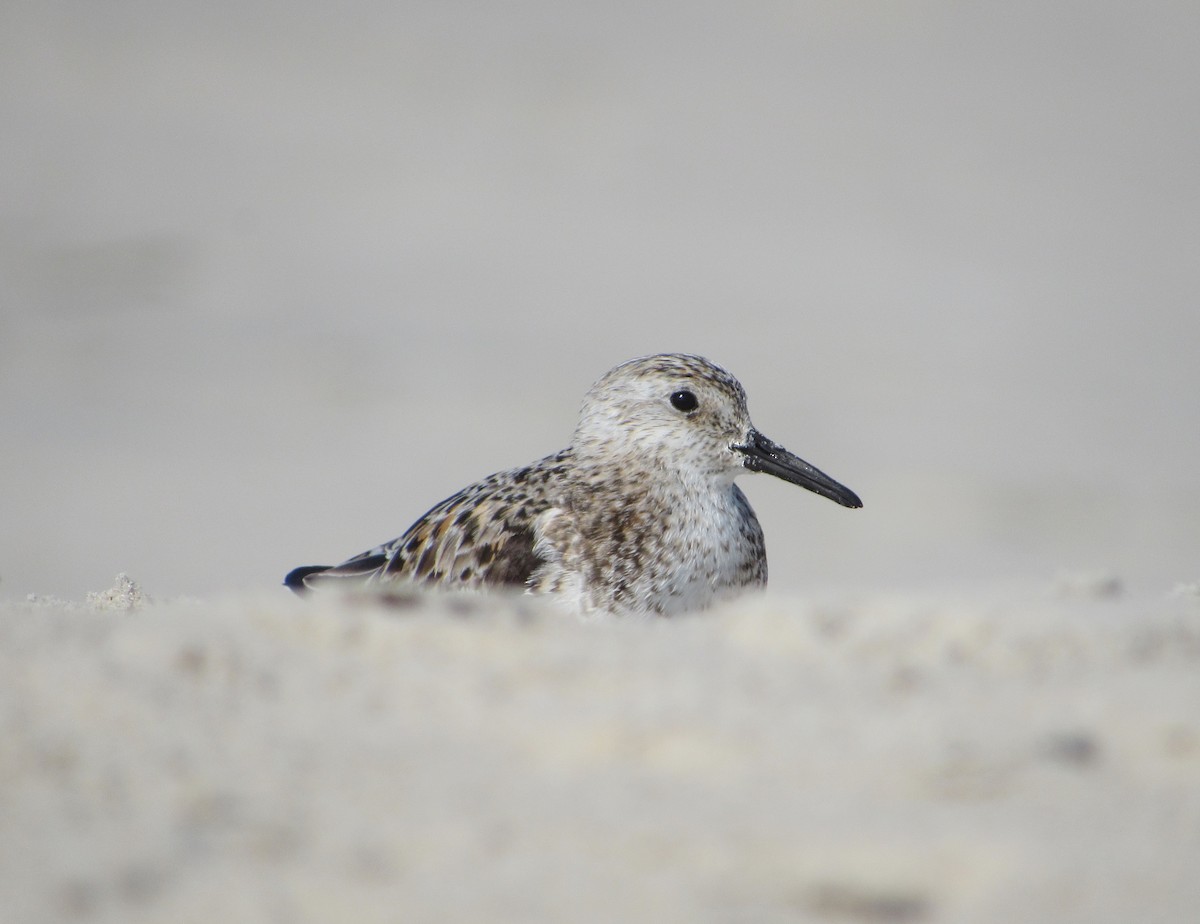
(359, 570)
(295, 579)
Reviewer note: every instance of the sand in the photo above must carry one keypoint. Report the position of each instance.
(1026, 755)
(274, 281)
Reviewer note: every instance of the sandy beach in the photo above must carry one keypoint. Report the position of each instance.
(275, 281)
(1019, 757)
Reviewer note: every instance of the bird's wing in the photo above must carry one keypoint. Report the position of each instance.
(483, 536)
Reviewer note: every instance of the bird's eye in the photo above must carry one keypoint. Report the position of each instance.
(684, 401)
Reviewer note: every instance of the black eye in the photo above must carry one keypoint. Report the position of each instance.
(684, 401)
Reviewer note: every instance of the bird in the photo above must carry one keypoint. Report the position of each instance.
(638, 516)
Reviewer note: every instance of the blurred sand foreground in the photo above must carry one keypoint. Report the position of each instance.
(1011, 757)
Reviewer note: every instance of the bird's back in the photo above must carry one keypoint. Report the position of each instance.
(483, 536)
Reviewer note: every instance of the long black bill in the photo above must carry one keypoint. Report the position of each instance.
(761, 455)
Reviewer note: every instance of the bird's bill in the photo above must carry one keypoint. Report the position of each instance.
(761, 455)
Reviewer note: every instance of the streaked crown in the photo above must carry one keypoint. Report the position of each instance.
(674, 409)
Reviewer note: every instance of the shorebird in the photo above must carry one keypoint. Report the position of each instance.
(639, 515)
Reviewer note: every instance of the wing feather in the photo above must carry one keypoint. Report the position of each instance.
(482, 536)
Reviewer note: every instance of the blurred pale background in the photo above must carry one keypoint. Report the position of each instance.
(275, 279)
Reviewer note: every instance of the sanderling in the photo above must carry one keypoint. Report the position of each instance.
(639, 515)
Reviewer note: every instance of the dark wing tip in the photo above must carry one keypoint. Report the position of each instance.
(295, 578)
(358, 569)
